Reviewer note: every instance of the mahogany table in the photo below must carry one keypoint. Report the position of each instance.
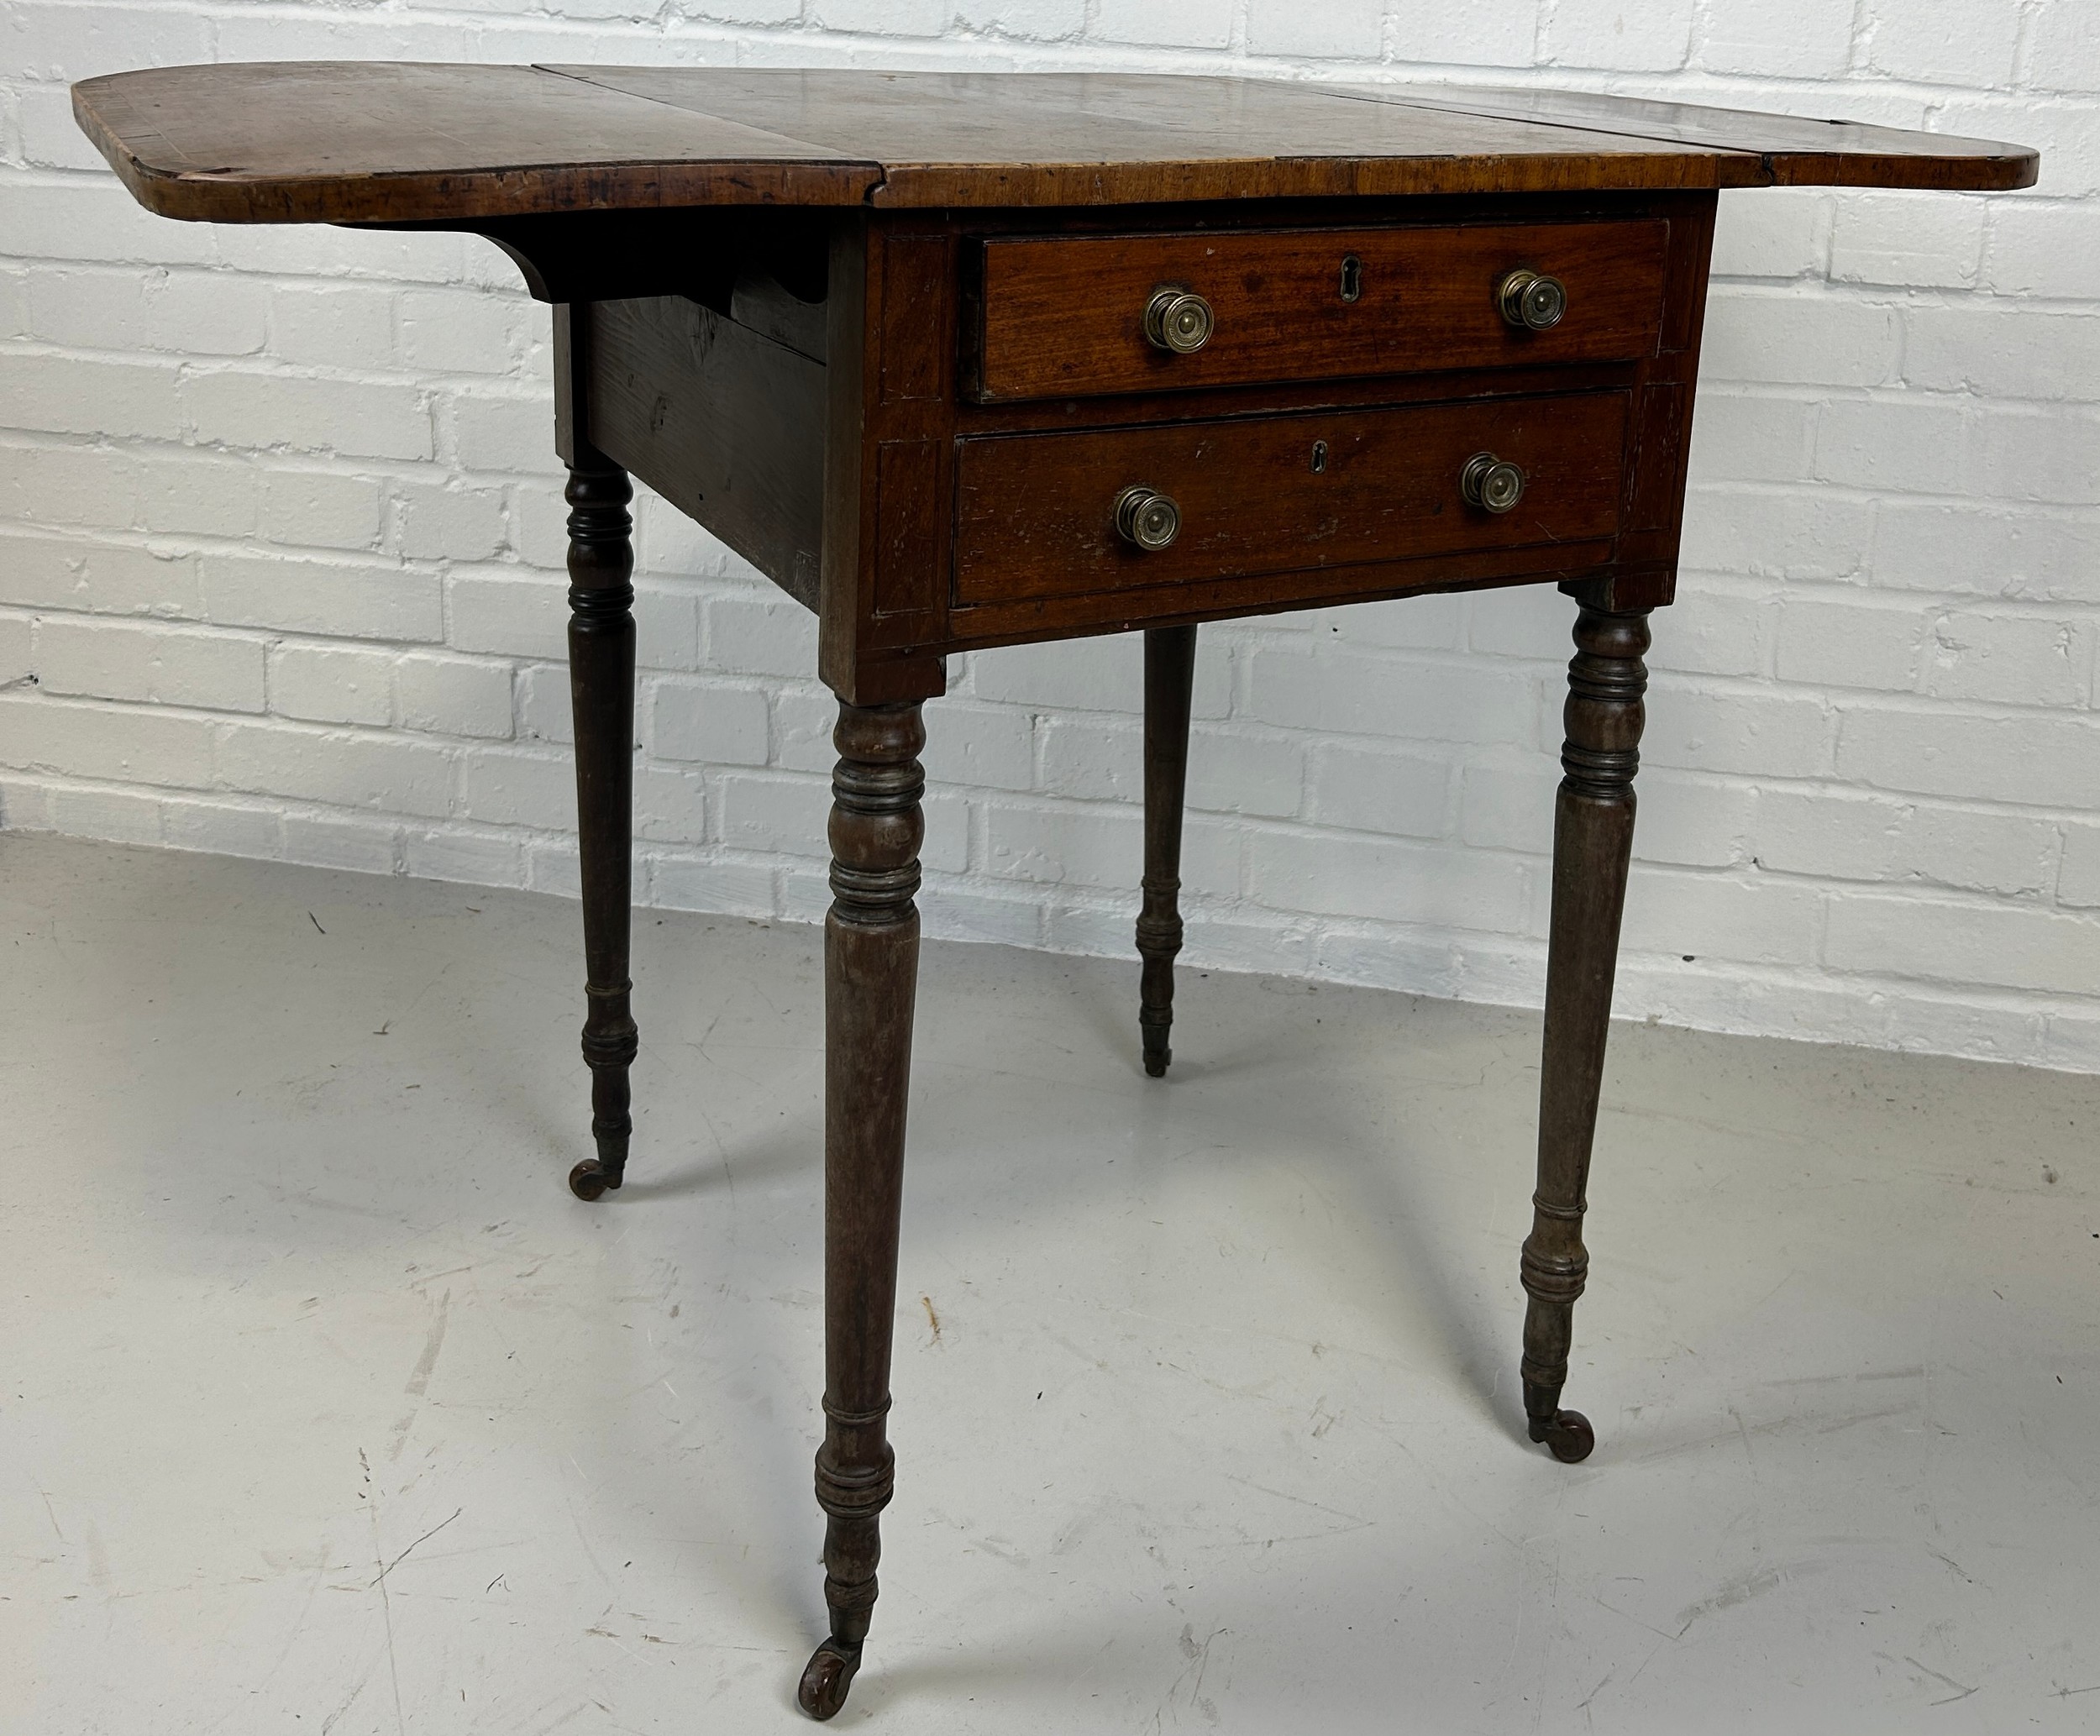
(970, 360)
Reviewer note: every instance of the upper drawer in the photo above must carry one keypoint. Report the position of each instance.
(1067, 315)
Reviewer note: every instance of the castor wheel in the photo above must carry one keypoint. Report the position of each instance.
(1158, 1058)
(825, 1677)
(1568, 1435)
(589, 1180)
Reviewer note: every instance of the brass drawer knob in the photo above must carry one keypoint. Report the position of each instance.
(1146, 519)
(1492, 484)
(1178, 320)
(1534, 302)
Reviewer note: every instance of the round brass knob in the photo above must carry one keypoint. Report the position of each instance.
(1146, 519)
(1178, 320)
(1536, 303)
(1492, 484)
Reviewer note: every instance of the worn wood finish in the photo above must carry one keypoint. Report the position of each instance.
(372, 141)
(989, 139)
(1170, 673)
(723, 422)
(390, 141)
(880, 332)
(812, 411)
(601, 690)
(1035, 514)
(885, 379)
(1064, 316)
(1793, 150)
(915, 586)
(1592, 841)
(730, 259)
(1094, 137)
(811, 414)
(871, 962)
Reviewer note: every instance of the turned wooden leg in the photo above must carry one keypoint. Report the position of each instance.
(1170, 667)
(601, 687)
(1593, 836)
(871, 962)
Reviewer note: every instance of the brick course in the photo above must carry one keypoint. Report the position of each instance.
(280, 533)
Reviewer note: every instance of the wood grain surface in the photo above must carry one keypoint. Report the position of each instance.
(722, 422)
(799, 381)
(1065, 315)
(1794, 151)
(1034, 514)
(395, 142)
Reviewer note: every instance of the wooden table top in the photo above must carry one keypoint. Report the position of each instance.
(394, 141)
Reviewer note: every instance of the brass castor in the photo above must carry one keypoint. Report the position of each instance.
(825, 1677)
(1567, 1434)
(589, 1180)
(1153, 1031)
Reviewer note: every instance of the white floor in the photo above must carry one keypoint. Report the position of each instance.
(328, 1410)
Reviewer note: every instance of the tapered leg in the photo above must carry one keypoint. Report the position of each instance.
(1593, 836)
(601, 687)
(1170, 667)
(871, 963)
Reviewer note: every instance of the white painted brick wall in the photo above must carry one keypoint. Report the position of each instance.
(281, 536)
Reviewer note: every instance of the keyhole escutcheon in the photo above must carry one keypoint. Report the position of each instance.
(1351, 277)
(1319, 458)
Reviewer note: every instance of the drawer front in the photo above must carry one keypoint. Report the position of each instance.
(1067, 315)
(1036, 515)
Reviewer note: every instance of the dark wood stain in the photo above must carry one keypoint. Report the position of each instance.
(1170, 672)
(602, 692)
(724, 423)
(1064, 316)
(1034, 514)
(880, 333)
(378, 142)
(871, 962)
(1793, 150)
(1592, 841)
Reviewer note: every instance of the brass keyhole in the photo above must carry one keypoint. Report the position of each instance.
(1319, 458)
(1352, 278)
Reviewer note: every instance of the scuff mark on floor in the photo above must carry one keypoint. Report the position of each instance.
(387, 1610)
(419, 1377)
(97, 1560)
(425, 1538)
(1742, 1590)
(1198, 1653)
(348, 1700)
(1961, 1693)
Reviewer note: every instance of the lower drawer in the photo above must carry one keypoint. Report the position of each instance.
(1038, 515)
